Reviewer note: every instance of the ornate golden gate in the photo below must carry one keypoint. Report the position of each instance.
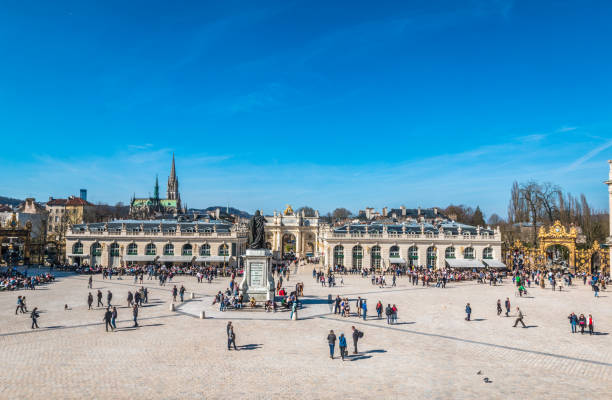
(580, 260)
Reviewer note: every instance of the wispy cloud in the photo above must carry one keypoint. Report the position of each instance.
(580, 161)
(567, 129)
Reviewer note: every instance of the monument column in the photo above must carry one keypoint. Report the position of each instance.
(609, 183)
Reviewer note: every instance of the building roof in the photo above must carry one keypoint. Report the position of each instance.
(77, 201)
(166, 225)
(57, 202)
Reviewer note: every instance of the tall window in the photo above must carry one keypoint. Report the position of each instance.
(169, 249)
(431, 256)
(413, 256)
(468, 253)
(224, 250)
(132, 249)
(77, 248)
(114, 250)
(375, 256)
(487, 253)
(357, 257)
(96, 249)
(150, 250)
(450, 252)
(205, 250)
(187, 249)
(394, 252)
(339, 255)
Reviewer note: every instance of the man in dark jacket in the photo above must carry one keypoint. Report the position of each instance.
(356, 336)
(89, 300)
(100, 304)
(331, 339)
(108, 316)
(135, 313)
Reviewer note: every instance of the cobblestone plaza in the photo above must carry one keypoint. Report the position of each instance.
(431, 352)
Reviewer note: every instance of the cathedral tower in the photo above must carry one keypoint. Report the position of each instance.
(173, 186)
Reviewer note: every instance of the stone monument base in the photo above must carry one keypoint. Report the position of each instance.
(257, 281)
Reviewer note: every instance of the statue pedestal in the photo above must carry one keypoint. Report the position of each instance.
(257, 281)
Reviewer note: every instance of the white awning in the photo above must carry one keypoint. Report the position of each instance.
(213, 259)
(494, 264)
(175, 259)
(463, 263)
(139, 258)
(78, 255)
(397, 260)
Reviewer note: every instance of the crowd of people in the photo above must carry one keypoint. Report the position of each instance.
(12, 279)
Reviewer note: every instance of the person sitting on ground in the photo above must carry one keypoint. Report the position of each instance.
(252, 302)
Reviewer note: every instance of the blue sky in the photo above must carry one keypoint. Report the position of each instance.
(328, 104)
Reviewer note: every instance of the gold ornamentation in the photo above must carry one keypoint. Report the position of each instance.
(288, 210)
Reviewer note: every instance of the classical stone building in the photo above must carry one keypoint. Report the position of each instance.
(153, 207)
(290, 233)
(446, 244)
(126, 242)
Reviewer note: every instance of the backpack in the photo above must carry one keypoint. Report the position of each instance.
(360, 334)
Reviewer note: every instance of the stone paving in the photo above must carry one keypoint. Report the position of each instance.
(432, 352)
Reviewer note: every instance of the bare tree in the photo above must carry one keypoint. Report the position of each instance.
(530, 195)
(341, 213)
(548, 195)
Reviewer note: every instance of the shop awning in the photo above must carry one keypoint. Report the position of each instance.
(494, 264)
(396, 260)
(213, 259)
(462, 263)
(139, 258)
(175, 259)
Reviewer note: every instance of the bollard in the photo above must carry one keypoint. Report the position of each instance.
(294, 316)
(172, 307)
(192, 295)
(202, 315)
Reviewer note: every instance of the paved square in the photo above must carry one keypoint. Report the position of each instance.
(432, 352)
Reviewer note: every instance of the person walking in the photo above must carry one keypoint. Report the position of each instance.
(342, 344)
(19, 305)
(573, 322)
(379, 308)
(388, 312)
(364, 309)
(231, 336)
(114, 318)
(468, 311)
(519, 318)
(108, 316)
(356, 336)
(90, 282)
(135, 314)
(100, 304)
(499, 307)
(89, 301)
(507, 304)
(174, 293)
(337, 305)
(34, 315)
(24, 306)
(590, 324)
(145, 294)
(182, 292)
(109, 297)
(393, 314)
(582, 323)
(331, 340)
(130, 298)
(596, 290)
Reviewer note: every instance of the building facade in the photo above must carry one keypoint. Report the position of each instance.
(379, 246)
(609, 183)
(292, 234)
(167, 242)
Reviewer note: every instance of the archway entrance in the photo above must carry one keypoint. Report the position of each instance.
(557, 256)
(12, 250)
(288, 245)
(595, 263)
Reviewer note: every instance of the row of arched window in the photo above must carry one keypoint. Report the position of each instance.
(413, 254)
(150, 249)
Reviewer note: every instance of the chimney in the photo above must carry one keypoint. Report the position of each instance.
(384, 210)
(403, 208)
(419, 211)
(436, 210)
(217, 213)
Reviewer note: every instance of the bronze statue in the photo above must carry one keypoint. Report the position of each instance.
(257, 237)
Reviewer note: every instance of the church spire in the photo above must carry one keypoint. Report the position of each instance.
(172, 171)
(156, 190)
